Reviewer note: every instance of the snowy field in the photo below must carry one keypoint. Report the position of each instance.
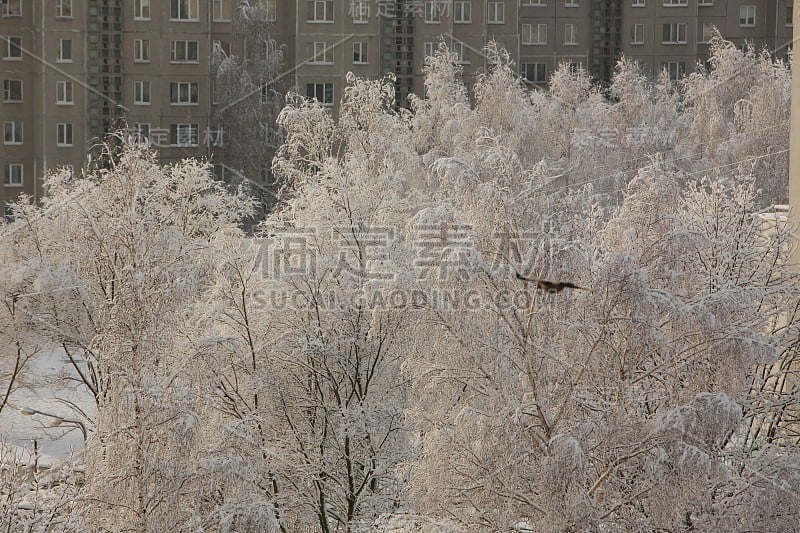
(50, 387)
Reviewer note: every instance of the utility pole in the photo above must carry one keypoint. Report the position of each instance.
(794, 143)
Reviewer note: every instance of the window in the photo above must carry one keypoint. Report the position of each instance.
(637, 34)
(184, 10)
(534, 2)
(141, 51)
(141, 133)
(141, 93)
(12, 132)
(271, 8)
(64, 136)
(747, 16)
(221, 10)
(141, 10)
(497, 13)
(675, 3)
(429, 52)
(674, 33)
(462, 52)
(12, 90)
(183, 135)
(462, 12)
(359, 10)
(64, 93)
(570, 34)
(706, 31)
(65, 51)
(322, 54)
(64, 9)
(433, 11)
(320, 11)
(534, 72)
(572, 3)
(322, 92)
(705, 2)
(637, 3)
(183, 93)
(13, 48)
(789, 16)
(360, 53)
(11, 8)
(676, 70)
(183, 52)
(12, 175)
(534, 34)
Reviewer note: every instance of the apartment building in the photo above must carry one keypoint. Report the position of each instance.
(73, 70)
(674, 34)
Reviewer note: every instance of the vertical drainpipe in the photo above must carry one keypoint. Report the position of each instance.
(794, 147)
(43, 142)
(210, 78)
(775, 45)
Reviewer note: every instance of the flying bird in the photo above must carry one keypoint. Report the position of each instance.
(550, 286)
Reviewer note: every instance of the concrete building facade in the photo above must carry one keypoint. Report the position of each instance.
(74, 70)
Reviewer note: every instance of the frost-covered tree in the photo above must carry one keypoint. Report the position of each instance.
(248, 95)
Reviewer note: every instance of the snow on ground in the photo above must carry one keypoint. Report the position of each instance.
(50, 387)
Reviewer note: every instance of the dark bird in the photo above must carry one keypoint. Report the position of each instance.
(550, 286)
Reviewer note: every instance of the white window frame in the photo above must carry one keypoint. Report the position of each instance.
(177, 14)
(746, 20)
(11, 8)
(62, 7)
(360, 56)
(638, 3)
(428, 51)
(11, 178)
(637, 34)
(704, 36)
(324, 92)
(462, 52)
(141, 89)
(141, 10)
(705, 3)
(16, 131)
(184, 132)
(675, 3)
(320, 12)
(221, 11)
(496, 13)
(680, 69)
(534, 3)
(7, 92)
(191, 90)
(176, 46)
(359, 11)
(15, 46)
(65, 94)
(677, 33)
(536, 67)
(64, 135)
(570, 34)
(61, 57)
(462, 11)
(141, 132)
(572, 3)
(433, 11)
(141, 50)
(540, 28)
(322, 53)
(271, 8)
